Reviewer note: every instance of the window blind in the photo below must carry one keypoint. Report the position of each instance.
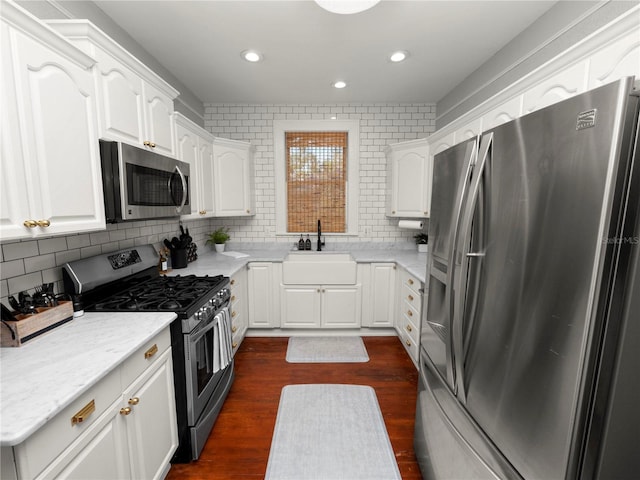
(316, 181)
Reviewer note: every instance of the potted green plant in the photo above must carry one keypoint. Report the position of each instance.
(422, 240)
(218, 238)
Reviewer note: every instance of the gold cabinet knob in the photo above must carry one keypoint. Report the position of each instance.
(233, 298)
(234, 345)
(410, 297)
(43, 223)
(410, 282)
(233, 314)
(409, 329)
(134, 401)
(393, 212)
(410, 313)
(248, 211)
(233, 282)
(147, 143)
(30, 223)
(125, 411)
(202, 212)
(234, 329)
(408, 343)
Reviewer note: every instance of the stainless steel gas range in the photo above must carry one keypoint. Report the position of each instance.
(128, 280)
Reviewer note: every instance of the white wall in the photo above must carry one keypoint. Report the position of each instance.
(380, 125)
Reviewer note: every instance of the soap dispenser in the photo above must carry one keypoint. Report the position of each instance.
(307, 243)
(301, 243)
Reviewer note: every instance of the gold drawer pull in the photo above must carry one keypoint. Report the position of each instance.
(410, 297)
(134, 401)
(149, 144)
(125, 411)
(83, 414)
(410, 313)
(151, 352)
(232, 282)
(410, 282)
(408, 343)
(234, 329)
(43, 223)
(233, 298)
(233, 314)
(202, 212)
(409, 329)
(235, 344)
(30, 223)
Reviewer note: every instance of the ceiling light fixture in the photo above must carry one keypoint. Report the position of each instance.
(345, 7)
(398, 56)
(251, 56)
(339, 84)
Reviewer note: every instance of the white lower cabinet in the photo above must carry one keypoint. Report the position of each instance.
(124, 427)
(408, 319)
(378, 297)
(320, 306)
(264, 303)
(238, 308)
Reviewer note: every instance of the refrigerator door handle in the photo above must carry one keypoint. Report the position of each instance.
(463, 244)
(471, 157)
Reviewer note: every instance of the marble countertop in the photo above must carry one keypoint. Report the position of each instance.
(211, 263)
(42, 377)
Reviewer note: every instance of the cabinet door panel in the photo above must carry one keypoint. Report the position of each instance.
(261, 293)
(57, 104)
(152, 424)
(301, 306)
(341, 307)
(206, 205)
(160, 123)
(122, 103)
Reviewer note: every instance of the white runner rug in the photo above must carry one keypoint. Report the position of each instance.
(326, 350)
(330, 432)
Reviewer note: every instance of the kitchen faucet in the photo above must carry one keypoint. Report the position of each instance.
(320, 242)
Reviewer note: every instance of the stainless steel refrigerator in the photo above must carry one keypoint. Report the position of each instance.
(530, 341)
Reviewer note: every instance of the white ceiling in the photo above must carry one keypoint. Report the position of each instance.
(306, 48)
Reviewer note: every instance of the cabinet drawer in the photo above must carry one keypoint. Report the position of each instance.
(410, 345)
(412, 297)
(137, 363)
(410, 321)
(40, 449)
(409, 280)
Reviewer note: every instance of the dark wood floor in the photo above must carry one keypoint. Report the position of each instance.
(238, 447)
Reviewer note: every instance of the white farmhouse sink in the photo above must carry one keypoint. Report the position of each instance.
(319, 268)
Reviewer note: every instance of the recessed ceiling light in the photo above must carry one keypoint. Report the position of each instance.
(398, 56)
(251, 56)
(346, 6)
(340, 84)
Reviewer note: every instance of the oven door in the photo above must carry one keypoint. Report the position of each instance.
(208, 353)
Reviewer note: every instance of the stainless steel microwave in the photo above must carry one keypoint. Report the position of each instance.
(140, 184)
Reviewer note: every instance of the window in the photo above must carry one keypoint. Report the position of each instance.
(316, 163)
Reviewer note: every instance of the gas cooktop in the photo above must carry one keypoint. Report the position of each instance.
(160, 294)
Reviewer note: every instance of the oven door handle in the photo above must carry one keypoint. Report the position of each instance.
(185, 192)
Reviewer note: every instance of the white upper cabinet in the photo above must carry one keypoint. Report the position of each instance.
(233, 178)
(136, 105)
(50, 162)
(194, 146)
(409, 171)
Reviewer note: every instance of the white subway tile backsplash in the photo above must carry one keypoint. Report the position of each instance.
(24, 282)
(41, 262)
(13, 251)
(13, 268)
(52, 245)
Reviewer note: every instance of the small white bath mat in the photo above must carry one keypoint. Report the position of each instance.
(330, 432)
(326, 350)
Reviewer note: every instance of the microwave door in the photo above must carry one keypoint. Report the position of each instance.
(178, 189)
